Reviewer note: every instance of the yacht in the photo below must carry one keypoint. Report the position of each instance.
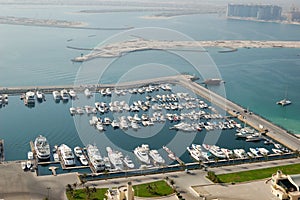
(88, 93)
(100, 126)
(216, 151)
(284, 102)
(240, 153)
(156, 156)
(42, 148)
(55, 157)
(263, 151)
(141, 153)
(128, 162)
(194, 153)
(64, 95)
(203, 153)
(39, 95)
(30, 155)
(115, 158)
(67, 155)
(254, 151)
(228, 153)
(95, 157)
(115, 124)
(73, 111)
(83, 160)
(171, 155)
(72, 94)
(56, 95)
(277, 151)
(29, 98)
(78, 152)
(107, 163)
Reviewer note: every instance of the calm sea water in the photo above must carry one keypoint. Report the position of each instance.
(255, 78)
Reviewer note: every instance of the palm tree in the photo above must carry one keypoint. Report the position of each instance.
(87, 192)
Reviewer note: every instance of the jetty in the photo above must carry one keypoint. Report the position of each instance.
(139, 44)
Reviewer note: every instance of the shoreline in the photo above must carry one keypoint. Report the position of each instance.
(264, 21)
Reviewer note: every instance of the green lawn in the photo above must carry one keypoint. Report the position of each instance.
(153, 189)
(258, 174)
(81, 194)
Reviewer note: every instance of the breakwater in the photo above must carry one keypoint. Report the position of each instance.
(140, 44)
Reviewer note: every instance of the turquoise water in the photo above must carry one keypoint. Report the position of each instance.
(255, 78)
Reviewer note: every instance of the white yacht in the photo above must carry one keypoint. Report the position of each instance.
(241, 153)
(107, 163)
(72, 94)
(56, 95)
(29, 98)
(254, 151)
(128, 162)
(30, 155)
(78, 152)
(64, 95)
(95, 157)
(100, 126)
(83, 160)
(115, 124)
(156, 156)
(88, 93)
(115, 158)
(42, 148)
(67, 155)
(263, 151)
(39, 95)
(73, 110)
(194, 153)
(216, 151)
(277, 151)
(228, 153)
(141, 153)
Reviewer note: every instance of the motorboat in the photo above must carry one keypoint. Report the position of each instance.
(83, 160)
(263, 151)
(107, 163)
(42, 148)
(171, 155)
(115, 124)
(254, 151)
(194, 153)
(216, 151)
(156, 156)
(128, 162)
(100, 126)
(30, 155)
(28, 164)
(39, 95)
(73, 110)
(277, 151)
(141, 153)
(88, 93)
(55, 157)
(95, 157)
(56, 95)
(67, 155)
(228, 153)
(115, 158)
(64, 95)
(78, 151)
(240, 153)
(29, 98)
(23, 165)
(72, 94)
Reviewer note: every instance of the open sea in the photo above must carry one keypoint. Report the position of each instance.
(38, 56)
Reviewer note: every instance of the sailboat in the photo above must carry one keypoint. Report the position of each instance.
(285, 101)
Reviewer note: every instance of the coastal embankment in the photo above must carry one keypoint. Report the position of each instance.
(140, 44)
